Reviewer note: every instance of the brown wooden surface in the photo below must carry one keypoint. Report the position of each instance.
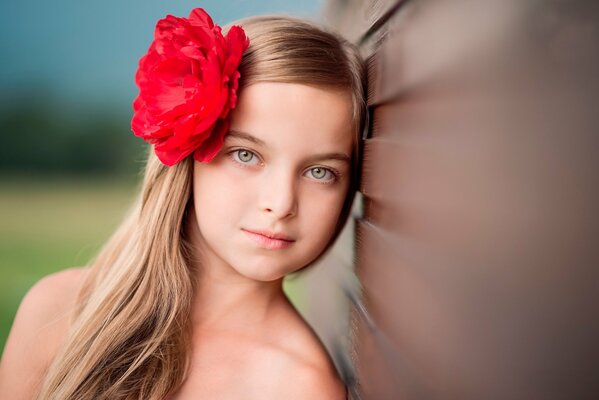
(477, 249)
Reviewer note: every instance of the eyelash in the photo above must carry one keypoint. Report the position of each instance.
(334, 172)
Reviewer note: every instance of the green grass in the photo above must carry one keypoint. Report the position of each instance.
(51, 224)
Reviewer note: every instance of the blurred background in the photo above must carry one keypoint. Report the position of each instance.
(69, 163)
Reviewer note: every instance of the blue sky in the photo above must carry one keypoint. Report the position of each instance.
(86, 52)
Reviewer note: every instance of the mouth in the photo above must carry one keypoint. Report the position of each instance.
(269, 240)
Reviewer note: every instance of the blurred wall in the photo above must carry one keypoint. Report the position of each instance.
(477, 251)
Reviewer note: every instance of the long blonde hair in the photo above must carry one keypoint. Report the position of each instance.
(130, 334)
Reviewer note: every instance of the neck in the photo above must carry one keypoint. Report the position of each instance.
(224, 299)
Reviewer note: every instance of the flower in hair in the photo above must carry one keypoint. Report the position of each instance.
(187, 83)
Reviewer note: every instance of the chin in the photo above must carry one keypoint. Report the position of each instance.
(262, 276)
(263, 272)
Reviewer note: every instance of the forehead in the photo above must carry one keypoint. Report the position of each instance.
(295, 116)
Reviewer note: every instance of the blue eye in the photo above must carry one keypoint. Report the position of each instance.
(243, 156)
(321, 172)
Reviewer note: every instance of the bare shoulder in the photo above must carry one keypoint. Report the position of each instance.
(38, 329)
(49, 300)
(315, 381)
(310, 373)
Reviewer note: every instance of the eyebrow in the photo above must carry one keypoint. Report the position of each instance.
(317, 157)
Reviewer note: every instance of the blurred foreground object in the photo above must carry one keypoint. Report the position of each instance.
(477, 250)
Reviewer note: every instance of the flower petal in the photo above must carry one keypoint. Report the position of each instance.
(187, 82)
(211, 146)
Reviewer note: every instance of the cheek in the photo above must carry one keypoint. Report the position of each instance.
(217, 197)
(323, 213)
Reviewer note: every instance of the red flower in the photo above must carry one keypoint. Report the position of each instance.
(187, 83)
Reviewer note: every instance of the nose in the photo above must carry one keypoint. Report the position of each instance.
(278, 194)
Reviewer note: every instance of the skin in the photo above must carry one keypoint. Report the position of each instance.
(38, 329)
(248, 340)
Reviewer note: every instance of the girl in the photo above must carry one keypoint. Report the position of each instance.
(251, 176)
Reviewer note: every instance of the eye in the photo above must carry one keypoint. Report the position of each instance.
(320, 172)
(244, 156)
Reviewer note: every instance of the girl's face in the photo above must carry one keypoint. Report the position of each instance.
(283, 169)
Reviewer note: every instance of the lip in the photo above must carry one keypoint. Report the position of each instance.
(271, 235)
(269, 240)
